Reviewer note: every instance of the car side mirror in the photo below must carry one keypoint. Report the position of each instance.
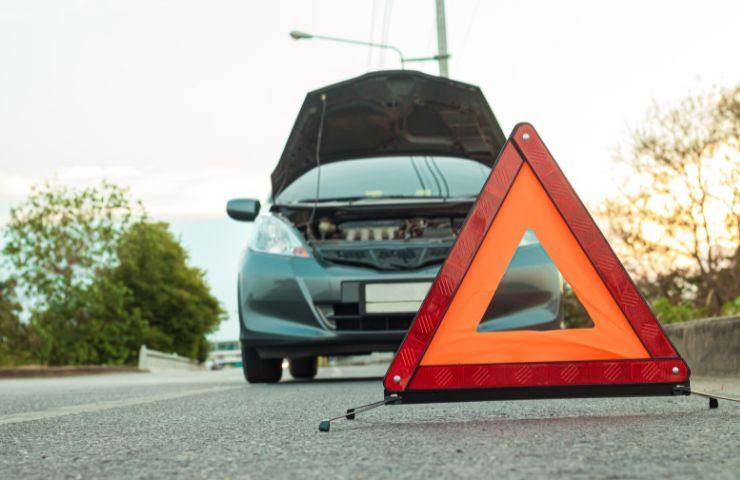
(243, 209)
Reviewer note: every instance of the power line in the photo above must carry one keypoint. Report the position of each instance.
(427, 48)
(470, 27)
(387, 14)
(372, 37)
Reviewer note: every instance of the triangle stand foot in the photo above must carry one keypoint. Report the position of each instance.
(351, 413)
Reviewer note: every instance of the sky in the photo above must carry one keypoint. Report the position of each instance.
(190, 102)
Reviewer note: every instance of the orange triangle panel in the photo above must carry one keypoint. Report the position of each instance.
(443, 351)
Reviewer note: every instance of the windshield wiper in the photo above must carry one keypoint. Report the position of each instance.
(331, 199)
(381, 197)
(385, 197)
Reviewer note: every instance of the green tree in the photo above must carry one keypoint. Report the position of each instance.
(676, 218)
(60, 243)
(172, 297)
(15, 337)
(96, 324)
(101, 281)
(60, 238)
(19, 343)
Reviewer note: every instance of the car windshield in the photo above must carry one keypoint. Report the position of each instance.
(389, 177)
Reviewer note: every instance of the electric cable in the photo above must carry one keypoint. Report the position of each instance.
(387, 14)
(318, 160)
(470, 27)
(372, 36)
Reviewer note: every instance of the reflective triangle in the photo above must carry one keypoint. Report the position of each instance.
(444, 350)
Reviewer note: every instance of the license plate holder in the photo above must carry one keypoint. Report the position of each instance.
(401, 297)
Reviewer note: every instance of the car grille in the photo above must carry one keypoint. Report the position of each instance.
(386, 257)
(346, 317)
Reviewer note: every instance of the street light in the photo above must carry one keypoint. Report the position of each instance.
(298, 35)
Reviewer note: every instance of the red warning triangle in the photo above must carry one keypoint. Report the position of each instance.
(444, 356)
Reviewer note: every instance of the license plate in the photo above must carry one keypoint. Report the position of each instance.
(397, 297)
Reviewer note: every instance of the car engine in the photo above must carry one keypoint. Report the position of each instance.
(383, 237)
(380, 230)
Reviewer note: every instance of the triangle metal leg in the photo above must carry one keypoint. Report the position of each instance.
(351, 413)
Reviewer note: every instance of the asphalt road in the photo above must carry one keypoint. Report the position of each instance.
(213, 425)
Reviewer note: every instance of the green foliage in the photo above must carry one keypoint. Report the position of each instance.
(670, 312)
(59, 238)
(574, 315)
(94, 325)
(173, 298)
(101, 282)
(15, 338)
(731, 308)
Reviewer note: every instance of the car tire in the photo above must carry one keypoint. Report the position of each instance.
(303, 367)
(260, 370)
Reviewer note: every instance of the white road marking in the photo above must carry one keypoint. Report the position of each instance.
(106, 405)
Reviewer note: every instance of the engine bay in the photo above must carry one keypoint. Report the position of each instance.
(326, 230)
(384, 237)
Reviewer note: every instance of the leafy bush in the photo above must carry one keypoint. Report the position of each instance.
(669, 312)
(172, 298)
(94, 325)
(731, 308)
(15, 337)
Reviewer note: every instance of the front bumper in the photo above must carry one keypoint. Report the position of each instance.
(295, 306)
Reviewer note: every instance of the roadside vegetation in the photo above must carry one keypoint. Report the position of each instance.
(675, 221)
(93, 279)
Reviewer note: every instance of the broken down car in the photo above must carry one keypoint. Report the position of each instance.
(374, 183)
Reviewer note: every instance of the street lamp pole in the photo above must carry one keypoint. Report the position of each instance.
(308, 36)
(298, 35)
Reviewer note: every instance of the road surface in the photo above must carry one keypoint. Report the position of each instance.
(214, 425)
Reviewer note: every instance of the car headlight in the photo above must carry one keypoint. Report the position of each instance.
(272, 235)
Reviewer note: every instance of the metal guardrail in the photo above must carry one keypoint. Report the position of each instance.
(154, 360)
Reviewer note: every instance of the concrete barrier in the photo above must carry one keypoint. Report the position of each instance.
(710, 346)
(156, 361)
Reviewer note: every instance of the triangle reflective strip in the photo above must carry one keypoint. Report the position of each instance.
(443, 350)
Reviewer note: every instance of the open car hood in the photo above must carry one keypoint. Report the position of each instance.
(398, 112)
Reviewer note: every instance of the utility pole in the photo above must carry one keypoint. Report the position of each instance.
(444, 69)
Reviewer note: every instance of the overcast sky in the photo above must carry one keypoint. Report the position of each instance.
(190, 102)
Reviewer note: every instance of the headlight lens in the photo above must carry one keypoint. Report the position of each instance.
(272, 235)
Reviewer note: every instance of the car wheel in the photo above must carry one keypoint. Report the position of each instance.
(304, 367)
(260, 370)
